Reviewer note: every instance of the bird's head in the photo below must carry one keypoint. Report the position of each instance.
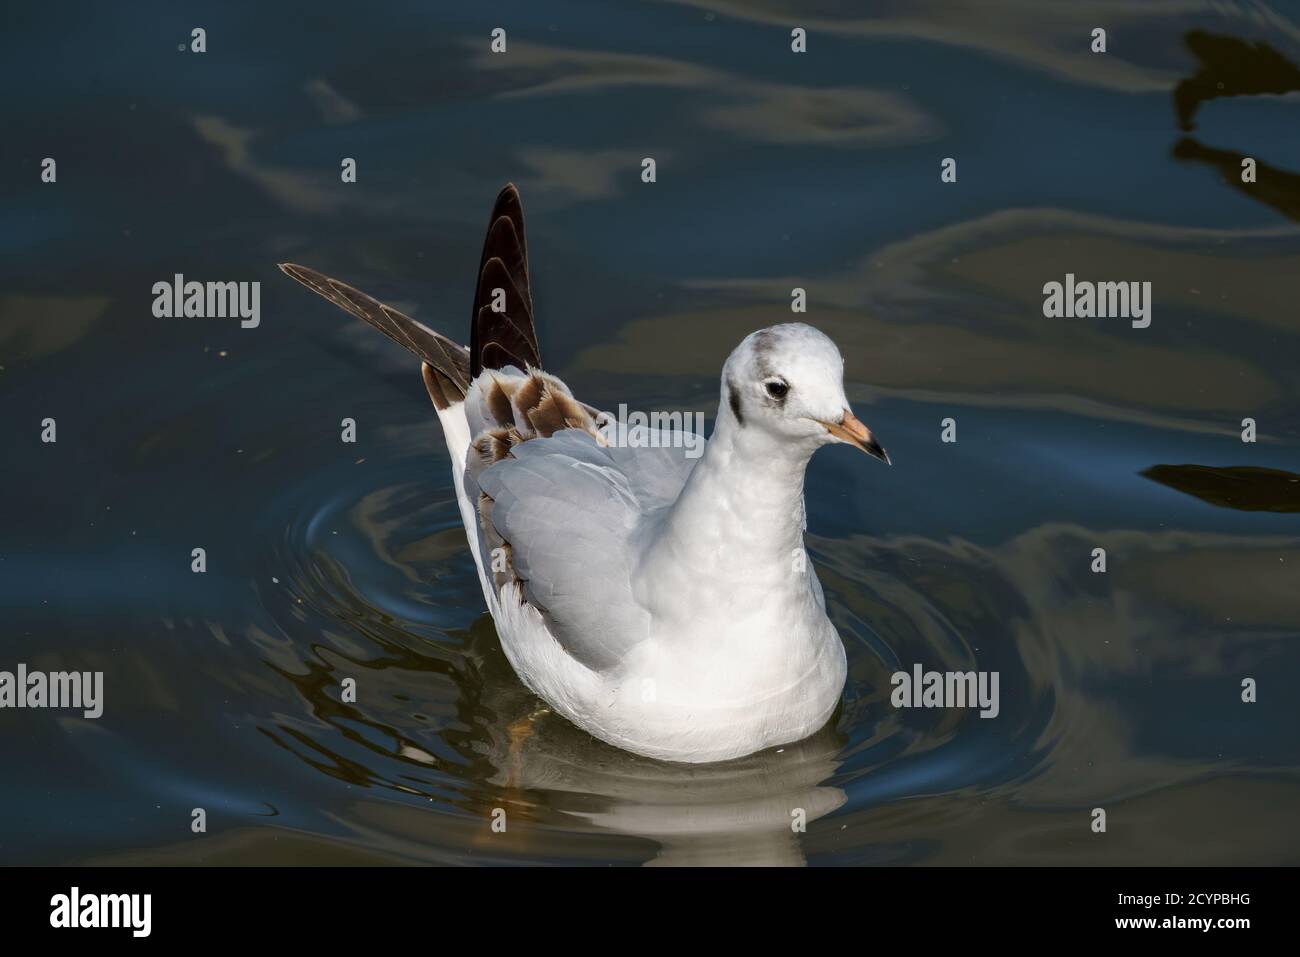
(788, 380)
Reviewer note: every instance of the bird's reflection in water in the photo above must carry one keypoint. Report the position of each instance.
(540, 769)
(741, 812)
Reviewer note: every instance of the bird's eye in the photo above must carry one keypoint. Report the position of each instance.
(777, 389)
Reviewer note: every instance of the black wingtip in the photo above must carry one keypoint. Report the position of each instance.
(508, 337)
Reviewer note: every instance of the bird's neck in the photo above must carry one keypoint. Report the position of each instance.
(741, 512)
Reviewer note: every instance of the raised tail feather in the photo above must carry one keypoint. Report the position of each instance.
(498, 336)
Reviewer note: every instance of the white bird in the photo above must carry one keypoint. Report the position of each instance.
(663, 603)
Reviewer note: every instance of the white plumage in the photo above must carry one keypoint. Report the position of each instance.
(662, 603)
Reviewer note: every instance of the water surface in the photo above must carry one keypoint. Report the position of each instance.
(327, 561)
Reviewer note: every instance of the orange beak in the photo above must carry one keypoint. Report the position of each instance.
(849, 429)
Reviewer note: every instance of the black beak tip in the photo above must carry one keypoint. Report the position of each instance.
(875, 448)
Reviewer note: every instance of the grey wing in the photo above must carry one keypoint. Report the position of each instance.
(569, 509)
(657, 463)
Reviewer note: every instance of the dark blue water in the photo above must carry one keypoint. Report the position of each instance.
(326, 560)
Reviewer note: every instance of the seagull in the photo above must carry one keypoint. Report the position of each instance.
(661, 601)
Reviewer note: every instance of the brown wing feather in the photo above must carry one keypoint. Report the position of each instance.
(534, 406)
(446, 363)
(497, 339)
(498, 401)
